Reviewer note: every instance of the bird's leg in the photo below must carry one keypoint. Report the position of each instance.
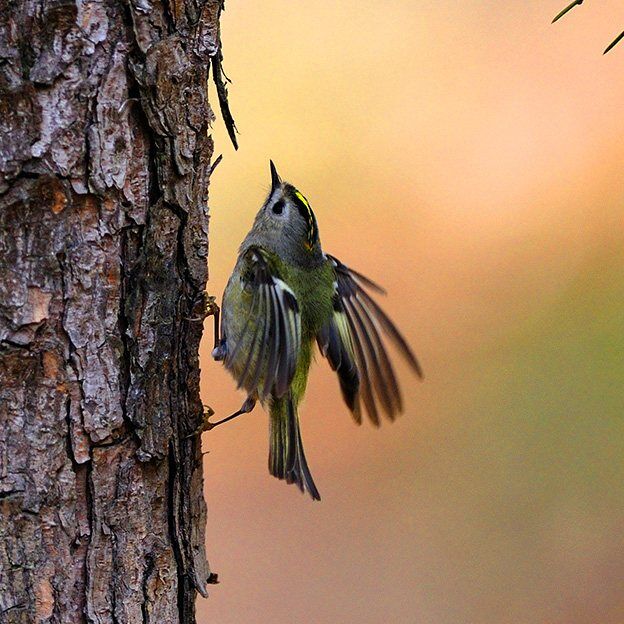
(220, 350)
(248, 405)
(212, 309)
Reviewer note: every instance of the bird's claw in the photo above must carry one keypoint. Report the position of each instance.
(210, 308)
(205, 425)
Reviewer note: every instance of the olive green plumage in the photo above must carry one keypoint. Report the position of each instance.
(284, 294)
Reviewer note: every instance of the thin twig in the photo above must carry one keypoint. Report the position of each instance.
(614, 42)
(576, 3)
(568, 8)
(222, 94)
(213, 166)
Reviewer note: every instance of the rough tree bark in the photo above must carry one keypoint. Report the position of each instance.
(104, 167)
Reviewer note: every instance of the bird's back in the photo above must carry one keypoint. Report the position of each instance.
(313, 288)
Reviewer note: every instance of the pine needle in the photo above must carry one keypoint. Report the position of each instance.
(614, 42)
(568, 8)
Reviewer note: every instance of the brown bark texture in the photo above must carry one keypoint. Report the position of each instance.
(104, 168)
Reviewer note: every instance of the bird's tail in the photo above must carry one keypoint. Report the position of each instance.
(286, 457)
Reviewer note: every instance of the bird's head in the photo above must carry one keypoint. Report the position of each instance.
(286, 223)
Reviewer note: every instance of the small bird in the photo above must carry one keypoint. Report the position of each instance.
(284, 294)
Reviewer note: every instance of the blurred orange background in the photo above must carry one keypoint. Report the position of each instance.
(469, 156)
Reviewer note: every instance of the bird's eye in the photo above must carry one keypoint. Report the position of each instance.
(278, 206)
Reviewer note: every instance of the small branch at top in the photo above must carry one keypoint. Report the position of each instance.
(568, 8)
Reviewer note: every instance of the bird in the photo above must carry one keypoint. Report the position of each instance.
(284, 295)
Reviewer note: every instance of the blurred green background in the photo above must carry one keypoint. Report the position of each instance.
(469, 157)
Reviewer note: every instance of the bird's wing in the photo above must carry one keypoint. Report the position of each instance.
(352, 343)
(272, 332)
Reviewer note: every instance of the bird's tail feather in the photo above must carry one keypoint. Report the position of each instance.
(286, 457)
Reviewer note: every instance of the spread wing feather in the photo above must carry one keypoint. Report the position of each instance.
(352, 343)
(272, 331)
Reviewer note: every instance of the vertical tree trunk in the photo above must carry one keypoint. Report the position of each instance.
(104, 167)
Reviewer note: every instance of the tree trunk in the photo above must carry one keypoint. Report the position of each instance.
(104, 167)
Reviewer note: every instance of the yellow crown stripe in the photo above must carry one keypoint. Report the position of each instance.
(312, 232)
(304, 200)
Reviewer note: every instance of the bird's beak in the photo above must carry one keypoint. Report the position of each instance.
(276, 181)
